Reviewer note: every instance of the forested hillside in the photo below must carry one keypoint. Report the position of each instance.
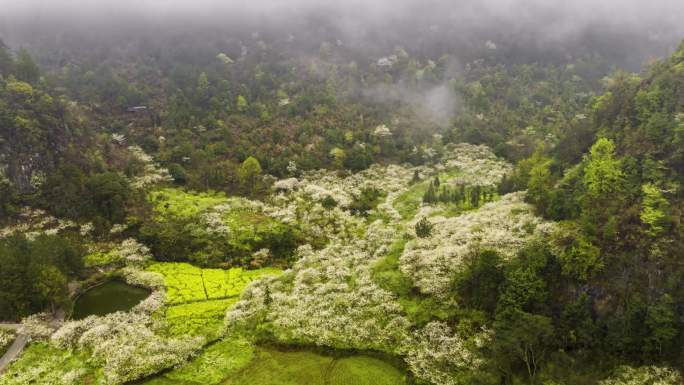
(403, 197)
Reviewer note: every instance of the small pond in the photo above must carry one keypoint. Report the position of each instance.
(107, 298)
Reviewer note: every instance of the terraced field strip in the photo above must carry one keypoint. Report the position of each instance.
(198, 318)
(198, 298)
(186, 283)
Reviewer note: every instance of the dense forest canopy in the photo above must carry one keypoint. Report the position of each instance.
(407, 192)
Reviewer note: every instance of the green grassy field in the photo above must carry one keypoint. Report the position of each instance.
(237, 362)
(364, 370)
(213, 365)
(273, 367)
(41, 363)
(408, 202)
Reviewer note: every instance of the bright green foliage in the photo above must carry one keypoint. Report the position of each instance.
(241, 103)
(249, 173)
(100, 258)
(386, 271)
(338, 155)
(186, 283)
(540, 185)
(408, 202)
(199, 298)
(204, 318)
(217, 281)
(578, 256)
(229, 283)
(20, 89)
(181, 204)
(41, 363)
(654, 211)
(183, 282)
(602, 174)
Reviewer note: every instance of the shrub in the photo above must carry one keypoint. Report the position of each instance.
(423, 228)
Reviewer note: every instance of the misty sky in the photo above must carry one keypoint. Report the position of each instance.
(552, 19)
(626, 32)
(618, 28)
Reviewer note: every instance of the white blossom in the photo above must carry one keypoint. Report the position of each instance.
(117, 228)
(382, 131)
(316, 303)
(132, 251)
(36, 326)
(437, 354)
(505, 226)
(125, 345)
(118, 138)
(34, 222)
(6, 338)
(644, 375)
(152, 172)
(477, 165)
(286, 184)
(86, 229)
(224, 58)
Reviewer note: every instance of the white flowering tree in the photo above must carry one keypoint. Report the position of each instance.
(644, 375)
(329, 296)
(152, 173)
(440, 355)
(504, 226)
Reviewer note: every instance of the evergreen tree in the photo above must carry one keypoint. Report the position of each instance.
(423, 228)
(25, 68)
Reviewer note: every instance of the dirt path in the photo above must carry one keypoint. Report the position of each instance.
(20, 342)
(14, 351)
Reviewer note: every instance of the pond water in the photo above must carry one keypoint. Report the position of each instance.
(107, 298)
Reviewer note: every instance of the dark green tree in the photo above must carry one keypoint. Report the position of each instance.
(423, 228)
(25, 68)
